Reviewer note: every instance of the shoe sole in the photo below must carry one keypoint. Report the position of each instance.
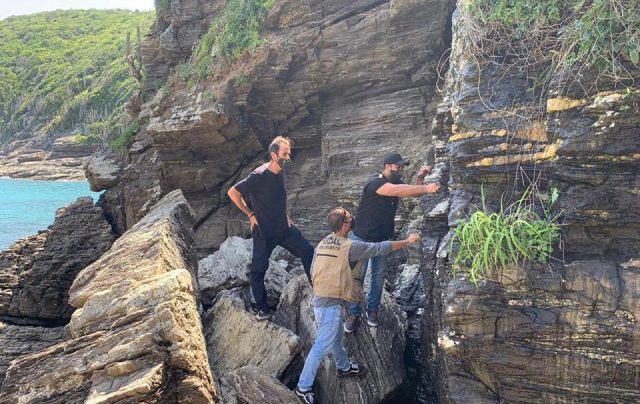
(353, 374)
(348, 331)
(370, 324)
(260, 318)
(302, 399)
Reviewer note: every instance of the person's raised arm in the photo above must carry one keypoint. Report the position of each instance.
(363, 249)
(413, 238)
(403, 190)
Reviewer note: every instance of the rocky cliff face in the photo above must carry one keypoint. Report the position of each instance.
(348, 82)
(566, 332)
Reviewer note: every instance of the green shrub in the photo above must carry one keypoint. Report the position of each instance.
(162, 4)
(184, 71)
(120, 143)
(65, 68)
(489, 241)
(233, 31)
(599, 34)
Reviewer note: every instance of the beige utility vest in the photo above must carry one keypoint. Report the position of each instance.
(331, 273)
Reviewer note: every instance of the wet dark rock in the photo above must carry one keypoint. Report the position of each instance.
(36, 273)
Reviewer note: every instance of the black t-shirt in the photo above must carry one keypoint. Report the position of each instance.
(268, 197)
(376, 213)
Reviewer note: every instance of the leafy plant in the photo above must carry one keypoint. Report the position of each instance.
(120, 143)
(233, 31)
(587, 34)
(161, 4)
(184, 71)
(489, 241)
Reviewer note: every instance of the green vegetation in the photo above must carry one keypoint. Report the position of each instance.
(491, 241)
(234, 31)
(65, 69)
(583, 34)
(120, 143)
(162, 4)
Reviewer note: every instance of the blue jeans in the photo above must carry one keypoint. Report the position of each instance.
(376, 283)
(329, 339)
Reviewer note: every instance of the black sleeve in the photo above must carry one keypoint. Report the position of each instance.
(375, 183)
(247, 185)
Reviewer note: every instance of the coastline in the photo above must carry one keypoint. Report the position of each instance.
(67, 169)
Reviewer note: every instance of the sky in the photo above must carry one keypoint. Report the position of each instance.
(22, 7)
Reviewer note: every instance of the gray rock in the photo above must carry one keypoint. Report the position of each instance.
(408, 290)
(230, 267)
(103, 170)
(136, 334)
(235, 338)
(252, 384)
(17, 340)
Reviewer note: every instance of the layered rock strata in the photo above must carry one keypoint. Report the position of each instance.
(44, 158)
(235, 338)
(136, 333)
(332, 71)
(36, 273)
(251, 384)
(561, 332)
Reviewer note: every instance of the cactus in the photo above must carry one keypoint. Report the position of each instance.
(134, 62)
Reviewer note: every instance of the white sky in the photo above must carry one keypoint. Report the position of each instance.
(21, 7)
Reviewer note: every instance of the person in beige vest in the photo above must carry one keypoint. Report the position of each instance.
(337, 276)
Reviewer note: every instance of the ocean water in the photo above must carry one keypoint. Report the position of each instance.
(27, 206)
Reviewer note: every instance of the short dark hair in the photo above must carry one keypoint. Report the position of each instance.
(274, 147)
(335, 218)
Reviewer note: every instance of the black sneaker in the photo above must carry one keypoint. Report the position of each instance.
(350, 323)
(265, 315)
(372, 318)
(354, 369)
(307, 397)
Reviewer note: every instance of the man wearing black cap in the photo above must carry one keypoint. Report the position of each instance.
(375, 223)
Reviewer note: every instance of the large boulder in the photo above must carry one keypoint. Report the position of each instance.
(136, 334)
(252, 384)
(230, 267)
(381, 349)
(103, 170)
(235, 338)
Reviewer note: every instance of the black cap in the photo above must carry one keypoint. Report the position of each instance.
(395, 158)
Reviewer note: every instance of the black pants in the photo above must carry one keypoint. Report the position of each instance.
(293, 241)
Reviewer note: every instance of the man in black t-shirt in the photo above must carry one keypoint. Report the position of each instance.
(375, 223)
(270, 224)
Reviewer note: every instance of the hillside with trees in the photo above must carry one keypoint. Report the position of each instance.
(65, 70)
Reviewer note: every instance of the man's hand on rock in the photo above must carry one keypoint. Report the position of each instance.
(424, 170)
(432, 188)
(413, 238)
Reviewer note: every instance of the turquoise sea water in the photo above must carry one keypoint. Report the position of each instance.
(27, 206)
